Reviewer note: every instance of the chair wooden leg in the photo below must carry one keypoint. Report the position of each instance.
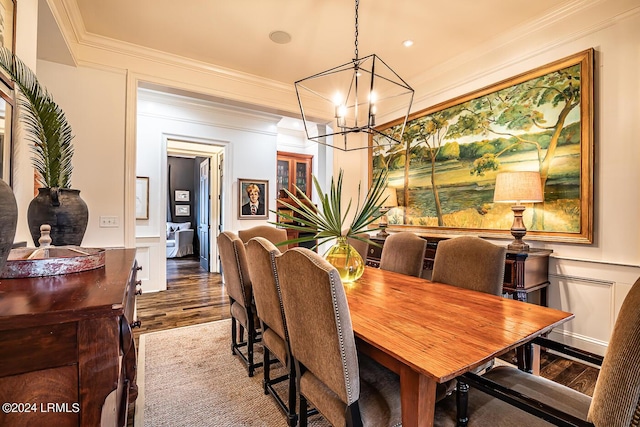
(292, 415)
(233, 336)
(524, 355)
(241, 333)
(250, 342)
(266, 365)
(352, 414)
(303, 411)
(462, 401)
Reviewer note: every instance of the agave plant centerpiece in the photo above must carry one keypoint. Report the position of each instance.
(51, 137)
(327, 222)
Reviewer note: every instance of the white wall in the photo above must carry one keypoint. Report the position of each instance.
(249, 141)
(94, 103)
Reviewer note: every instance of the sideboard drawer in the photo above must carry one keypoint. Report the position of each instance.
(40, 347)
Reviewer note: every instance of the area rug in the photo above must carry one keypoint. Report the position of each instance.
(188, 377)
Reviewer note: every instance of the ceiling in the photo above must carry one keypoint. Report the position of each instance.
(234, 34)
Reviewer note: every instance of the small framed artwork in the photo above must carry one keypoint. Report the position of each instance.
(142, 197)
(253, 196)
(183, 210)
(286, 212)
(182, 195)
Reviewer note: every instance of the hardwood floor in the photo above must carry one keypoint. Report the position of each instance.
(194, 296)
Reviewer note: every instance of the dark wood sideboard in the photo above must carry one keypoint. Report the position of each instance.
(524, 272)
(68, 356)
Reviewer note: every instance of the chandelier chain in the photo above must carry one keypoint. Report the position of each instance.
(356, 42)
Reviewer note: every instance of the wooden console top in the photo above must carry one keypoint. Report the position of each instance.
(66, 298)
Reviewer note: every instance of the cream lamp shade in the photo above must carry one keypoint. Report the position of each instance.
(517, 188)
(391, 197)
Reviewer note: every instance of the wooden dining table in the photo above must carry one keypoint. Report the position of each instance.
(429, 332)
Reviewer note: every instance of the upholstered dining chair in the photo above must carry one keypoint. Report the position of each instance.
(470, 262)
(273, 234)
(361, 246)
(237, 282)
(403, 252)
(345, 389)
(531, 399)
(261, 255)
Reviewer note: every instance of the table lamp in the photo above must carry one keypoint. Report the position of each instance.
(518, 188)
(391, 202)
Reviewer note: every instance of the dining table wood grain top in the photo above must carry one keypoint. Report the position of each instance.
(430, 332)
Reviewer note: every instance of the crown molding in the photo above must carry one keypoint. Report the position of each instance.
(69, 9)
(90, 50)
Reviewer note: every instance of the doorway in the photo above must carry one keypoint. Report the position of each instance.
(207, 178)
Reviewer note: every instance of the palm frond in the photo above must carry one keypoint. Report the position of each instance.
(328, 221)
(371, 207)
(45, 123)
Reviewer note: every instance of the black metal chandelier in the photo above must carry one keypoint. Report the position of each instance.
(355, 94)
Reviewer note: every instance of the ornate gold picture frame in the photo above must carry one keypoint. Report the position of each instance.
(542, 120)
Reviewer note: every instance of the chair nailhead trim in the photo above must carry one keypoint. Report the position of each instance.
(339, 325)
(272, 256)
(235, 250)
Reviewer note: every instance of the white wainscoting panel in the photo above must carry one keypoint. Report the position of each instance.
(149, 252)
(592, 302)
(594, 292)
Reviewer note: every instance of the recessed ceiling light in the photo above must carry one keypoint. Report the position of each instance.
(280, 37)
(407, 43)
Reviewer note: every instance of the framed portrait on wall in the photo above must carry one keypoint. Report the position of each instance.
(253, 196)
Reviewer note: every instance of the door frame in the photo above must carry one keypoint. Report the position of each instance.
(197, 147)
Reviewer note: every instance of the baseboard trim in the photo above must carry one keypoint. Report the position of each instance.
(579, 341)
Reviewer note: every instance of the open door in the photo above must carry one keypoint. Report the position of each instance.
(204, 209)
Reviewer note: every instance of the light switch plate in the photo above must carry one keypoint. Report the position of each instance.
(108, 221)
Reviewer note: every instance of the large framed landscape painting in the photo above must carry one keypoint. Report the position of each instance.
(445, 170)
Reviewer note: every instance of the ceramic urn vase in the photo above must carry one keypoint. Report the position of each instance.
(63, 210)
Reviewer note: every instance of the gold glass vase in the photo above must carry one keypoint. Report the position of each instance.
(346, 259)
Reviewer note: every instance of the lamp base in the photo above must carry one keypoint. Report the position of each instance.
(384, 223)
(518, 230)
(383, 232)
(518, 245)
